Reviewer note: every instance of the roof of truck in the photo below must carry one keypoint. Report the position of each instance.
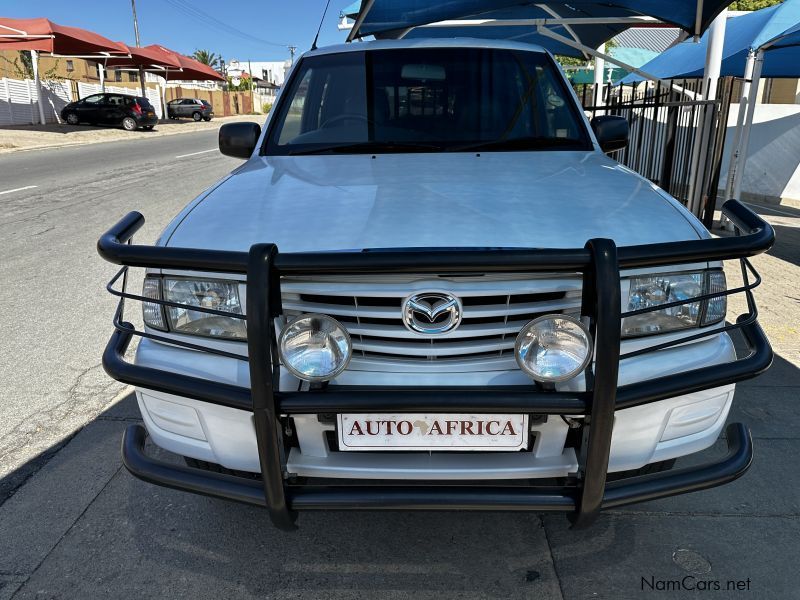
(425, 43)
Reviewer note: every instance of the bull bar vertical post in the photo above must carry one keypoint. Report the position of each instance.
(601, 299)
(261, 346)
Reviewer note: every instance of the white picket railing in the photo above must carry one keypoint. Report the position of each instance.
(19, 104)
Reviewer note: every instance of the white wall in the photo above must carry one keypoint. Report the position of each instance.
(772, 168)
(276, 69)
(19, 104)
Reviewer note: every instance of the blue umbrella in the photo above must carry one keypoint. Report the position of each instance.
(393, 18)
(775, 29)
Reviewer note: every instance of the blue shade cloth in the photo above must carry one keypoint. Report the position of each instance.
(590, 35)
(777, 26)
(393, 15)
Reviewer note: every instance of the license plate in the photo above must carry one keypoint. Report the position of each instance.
(441, 432)
(150, 114)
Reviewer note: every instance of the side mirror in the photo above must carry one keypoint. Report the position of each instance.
(239, 139)
(611, 132)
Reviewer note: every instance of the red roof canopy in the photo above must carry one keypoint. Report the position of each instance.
(191, 69)
(150, 56)
(45, 36)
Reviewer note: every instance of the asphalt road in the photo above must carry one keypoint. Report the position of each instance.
(55, 315)
(75, 524)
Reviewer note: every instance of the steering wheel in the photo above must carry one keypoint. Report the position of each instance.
(343, 117)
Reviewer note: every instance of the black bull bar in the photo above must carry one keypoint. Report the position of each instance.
(599, 263)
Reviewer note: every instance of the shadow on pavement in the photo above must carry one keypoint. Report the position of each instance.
(83, 527)
(790, 250)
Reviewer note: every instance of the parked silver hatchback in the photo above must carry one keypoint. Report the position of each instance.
(190, 107)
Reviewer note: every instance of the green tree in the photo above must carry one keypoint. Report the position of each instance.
(753, 4)
(207, 58)
(243, 84)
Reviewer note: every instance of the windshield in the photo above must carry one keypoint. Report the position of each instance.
(426, 99)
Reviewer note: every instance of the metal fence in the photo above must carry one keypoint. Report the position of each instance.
(676, 137)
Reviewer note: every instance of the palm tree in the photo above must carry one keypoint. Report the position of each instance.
(207, 58)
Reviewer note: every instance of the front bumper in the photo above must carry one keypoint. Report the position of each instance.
(621, 492)
(599, 262)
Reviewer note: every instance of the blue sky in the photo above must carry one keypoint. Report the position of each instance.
(170, 23)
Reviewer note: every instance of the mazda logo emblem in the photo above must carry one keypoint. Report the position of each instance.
(432, 312)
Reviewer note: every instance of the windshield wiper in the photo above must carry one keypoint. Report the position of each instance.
(368, 147)
(523, 143)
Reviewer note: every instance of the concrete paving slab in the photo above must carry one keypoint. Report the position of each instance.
(677, 557)
(762, 491)
(138, 537)
(9, 584)
(770, 412)
(38, 515)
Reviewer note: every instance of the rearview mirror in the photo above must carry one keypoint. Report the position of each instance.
(239, 139)
(611, 132)
(423, 72)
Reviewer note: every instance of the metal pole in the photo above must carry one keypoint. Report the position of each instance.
(101, 71)
(138, 45)
(713, 66)
(711, 71)
(751, 109)
(736, 149)
(599, 70)
(38, 84)
(164, 94)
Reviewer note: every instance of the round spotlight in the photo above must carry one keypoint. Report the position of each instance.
(315, 347)
(553, 348)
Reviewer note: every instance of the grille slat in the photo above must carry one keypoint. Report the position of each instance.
(495, 308)
(367, 312)
(440, 349)
(465, 330)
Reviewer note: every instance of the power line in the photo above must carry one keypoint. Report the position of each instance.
(214, 23)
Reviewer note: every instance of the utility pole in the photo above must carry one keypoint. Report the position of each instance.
(138, 45)
(252, 81)
(292, 50)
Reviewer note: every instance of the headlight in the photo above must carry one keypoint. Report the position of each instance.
(652, 290)
(152, 313)
(553, 348)
(315, 347)
(206, 293)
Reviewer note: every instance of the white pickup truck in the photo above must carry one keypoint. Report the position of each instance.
(429, 287)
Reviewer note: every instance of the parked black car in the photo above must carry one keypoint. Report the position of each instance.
(131, 112)
(190, 107)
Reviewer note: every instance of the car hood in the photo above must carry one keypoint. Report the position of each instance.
(552, 199)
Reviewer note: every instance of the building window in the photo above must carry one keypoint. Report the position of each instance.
(133, 76)
(117, 75)
(70, 66)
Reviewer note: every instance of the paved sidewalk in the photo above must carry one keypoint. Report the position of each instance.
(82, 527)
(34, 137)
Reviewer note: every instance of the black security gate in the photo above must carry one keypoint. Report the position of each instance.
(676, 138)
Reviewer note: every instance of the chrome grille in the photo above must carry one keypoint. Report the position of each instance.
(495, 308)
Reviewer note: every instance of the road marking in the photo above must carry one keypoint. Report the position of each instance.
(27, 187)
(195, 153)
